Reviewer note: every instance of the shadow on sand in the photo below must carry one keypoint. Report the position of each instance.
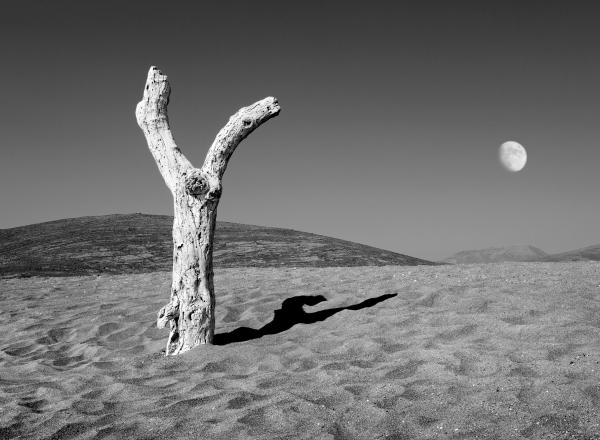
(290, 314)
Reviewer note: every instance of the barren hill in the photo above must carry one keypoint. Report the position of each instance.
(135, 243)
(496, 255)
(589, 253)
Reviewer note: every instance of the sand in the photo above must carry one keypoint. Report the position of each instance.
(501, 351)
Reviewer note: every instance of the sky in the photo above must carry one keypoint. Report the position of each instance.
(392, 115)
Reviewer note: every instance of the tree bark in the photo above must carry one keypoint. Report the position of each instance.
(190, 312)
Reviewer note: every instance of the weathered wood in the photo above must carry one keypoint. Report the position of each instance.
(196, 193)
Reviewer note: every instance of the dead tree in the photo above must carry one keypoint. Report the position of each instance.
(196, 193)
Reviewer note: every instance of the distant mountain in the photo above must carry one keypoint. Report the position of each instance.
(496, 255)
(142, 243)
(589, 253)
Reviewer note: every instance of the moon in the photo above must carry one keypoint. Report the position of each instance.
(513, 156)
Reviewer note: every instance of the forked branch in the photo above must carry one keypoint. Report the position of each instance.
(151, 115)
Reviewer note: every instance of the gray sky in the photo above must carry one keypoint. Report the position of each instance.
(391, 121)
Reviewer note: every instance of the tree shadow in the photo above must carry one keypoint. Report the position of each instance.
(290, 314)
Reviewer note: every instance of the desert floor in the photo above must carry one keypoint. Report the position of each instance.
(502, 351)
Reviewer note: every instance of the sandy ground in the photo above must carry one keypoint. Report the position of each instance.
(506, 351)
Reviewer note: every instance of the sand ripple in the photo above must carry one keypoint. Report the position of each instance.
(465, 352)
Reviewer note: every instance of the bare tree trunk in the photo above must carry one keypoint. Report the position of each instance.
(196, 193)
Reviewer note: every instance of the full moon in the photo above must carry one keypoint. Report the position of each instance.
(512, 156)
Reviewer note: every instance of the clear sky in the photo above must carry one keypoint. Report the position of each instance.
(391, 118)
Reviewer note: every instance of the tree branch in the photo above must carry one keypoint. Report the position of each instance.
(240, 125)
(151, 115)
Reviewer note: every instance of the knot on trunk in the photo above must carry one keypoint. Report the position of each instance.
(168, 313)
(198, 184)
(195, 182)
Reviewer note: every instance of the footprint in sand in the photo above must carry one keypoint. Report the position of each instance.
(244, 399)
(302, 365)
(85, 406)
(523, 371)
(593, 392)
(430, 300)
(233, 314)
(273, 382)
(335, 366)
(514, 320)
(556, 353)
(107, 329)
(54, 336)
(68, 361)
(458, 333)
(33, 405)
(477, 306)
(405, 371)
(19, 349)
(473, 366)
(222, 366)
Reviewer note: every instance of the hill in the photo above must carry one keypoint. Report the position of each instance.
(497, 255)
(589, 253)
(136, 243)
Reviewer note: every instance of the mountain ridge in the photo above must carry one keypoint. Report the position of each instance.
(587, 253)
(497, 255)
(524, 253)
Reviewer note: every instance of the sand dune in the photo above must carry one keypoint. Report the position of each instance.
(506, 351)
